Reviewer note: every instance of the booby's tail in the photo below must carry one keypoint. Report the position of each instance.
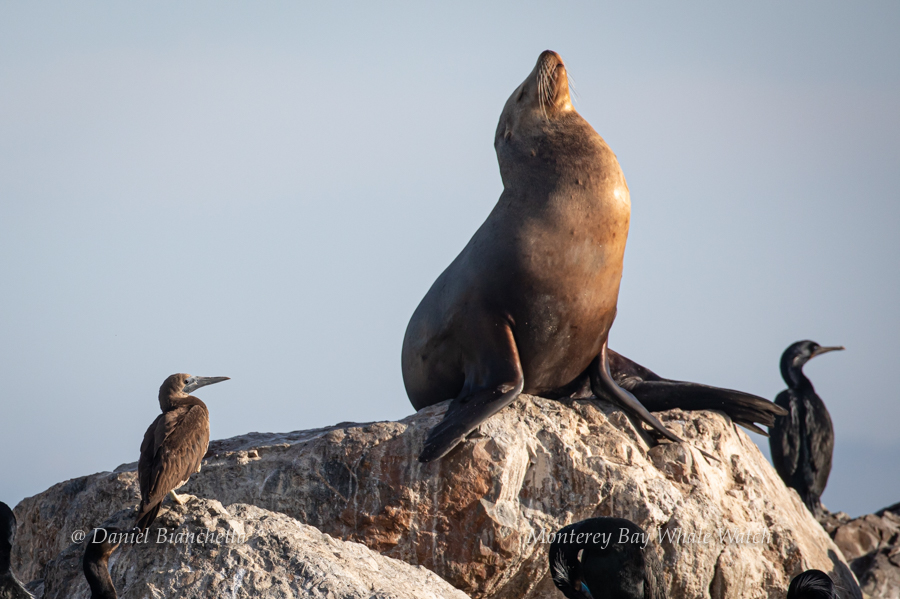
(146, 516)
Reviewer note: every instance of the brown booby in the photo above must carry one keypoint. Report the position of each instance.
(175, 443)
(100, 545)
(10, 587)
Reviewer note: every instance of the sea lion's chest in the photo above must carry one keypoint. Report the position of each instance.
(560, 277)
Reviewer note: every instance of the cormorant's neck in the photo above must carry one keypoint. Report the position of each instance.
(97, 575)
(793, 375)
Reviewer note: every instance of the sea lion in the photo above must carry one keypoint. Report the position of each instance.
(528, 303)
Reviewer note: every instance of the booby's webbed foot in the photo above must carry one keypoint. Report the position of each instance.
(464, 415)
(658, 394)
(174, 497)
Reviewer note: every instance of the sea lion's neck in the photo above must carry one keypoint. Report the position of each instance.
(567, 154)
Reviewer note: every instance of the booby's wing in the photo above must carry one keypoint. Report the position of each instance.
(172, 450)
(659, 394)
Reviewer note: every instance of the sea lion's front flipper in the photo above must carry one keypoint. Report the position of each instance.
(503, 382)
(658, 394)
(464, 416)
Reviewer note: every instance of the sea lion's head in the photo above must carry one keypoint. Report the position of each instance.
(538, 123)
(542, 97)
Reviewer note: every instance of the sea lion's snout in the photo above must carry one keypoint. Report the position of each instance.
(550, 59)
(552, 81)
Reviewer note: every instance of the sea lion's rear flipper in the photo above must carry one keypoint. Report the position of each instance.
(658, 394)
(603, 385)
(503, 382)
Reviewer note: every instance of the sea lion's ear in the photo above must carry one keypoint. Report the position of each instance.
(521, 93)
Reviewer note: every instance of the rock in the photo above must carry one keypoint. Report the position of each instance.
(202, 549)
(871, 544)
(480, 517)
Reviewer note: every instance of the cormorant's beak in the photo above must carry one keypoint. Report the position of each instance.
(824, 350)
(195, 382)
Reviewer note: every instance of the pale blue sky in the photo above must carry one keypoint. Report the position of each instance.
(265, 191)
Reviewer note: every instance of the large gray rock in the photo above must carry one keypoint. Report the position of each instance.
(205, 550)
(871, 544)
(727, 529)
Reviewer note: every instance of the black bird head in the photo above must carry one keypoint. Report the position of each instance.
(603, 558)
(812, 584)
(796, 355)
(100, 545)
(179, 386)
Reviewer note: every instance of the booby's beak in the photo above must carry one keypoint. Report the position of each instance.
(195, 382)
(824, 350)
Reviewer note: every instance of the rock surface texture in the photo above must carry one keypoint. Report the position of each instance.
(242, 551)
(480, 517)
(871, 544)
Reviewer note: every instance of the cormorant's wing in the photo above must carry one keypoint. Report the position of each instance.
(784, 438)
(654, 576)
(821, 447)
(659, 394)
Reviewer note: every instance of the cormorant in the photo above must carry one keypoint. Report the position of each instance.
(96, 562)
(812, 584)
(10, 587)
(802, 442)
(175, 443)
(605, 558)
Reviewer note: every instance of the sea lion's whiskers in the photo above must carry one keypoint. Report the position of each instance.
(546, 79)
(542, 87)
(572, 91)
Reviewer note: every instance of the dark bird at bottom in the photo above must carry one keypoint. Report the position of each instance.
(10, 587)
(100, 545)
(812, 584)
(174, 445)
(606, 558)
(802, 442)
